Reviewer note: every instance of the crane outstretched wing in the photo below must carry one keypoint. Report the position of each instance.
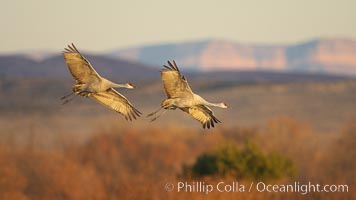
(203, 114)
(80, 68)
(175, 85)
(116, 101)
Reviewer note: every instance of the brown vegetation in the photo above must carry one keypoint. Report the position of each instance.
(85, 151)
(136, 164)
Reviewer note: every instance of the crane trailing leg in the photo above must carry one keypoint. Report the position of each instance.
(157, 116)
(79, 89)
(166, 105)
(65, 100)
(66, 96)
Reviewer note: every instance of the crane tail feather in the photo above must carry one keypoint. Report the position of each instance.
(71, 48)
(75, 48)
(137, 112)
(212, 123)
(175, 65)
(170, 64)
(165, 66)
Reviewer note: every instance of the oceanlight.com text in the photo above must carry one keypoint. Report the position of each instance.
(232, 187)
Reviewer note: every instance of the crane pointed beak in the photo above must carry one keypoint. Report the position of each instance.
(226, 106)
(131, 86)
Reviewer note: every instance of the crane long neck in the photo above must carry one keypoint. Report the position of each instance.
(213, 104)
(117, 85)
(198, 99)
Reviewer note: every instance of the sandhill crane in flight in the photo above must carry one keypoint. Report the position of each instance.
(179, 95)
(90, 84)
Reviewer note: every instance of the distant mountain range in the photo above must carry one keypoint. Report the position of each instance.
(25, 66)
(328, 55)
(313, 60)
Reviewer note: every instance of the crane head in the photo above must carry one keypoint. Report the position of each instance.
(224, 105)
(130, 86)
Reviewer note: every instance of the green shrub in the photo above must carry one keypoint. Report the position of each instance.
(246, 163)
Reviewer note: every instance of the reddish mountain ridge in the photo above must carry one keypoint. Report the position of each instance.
(328, 55)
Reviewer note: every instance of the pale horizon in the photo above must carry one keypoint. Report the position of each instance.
(98, 27)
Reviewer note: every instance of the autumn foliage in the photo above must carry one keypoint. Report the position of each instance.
(136, 164)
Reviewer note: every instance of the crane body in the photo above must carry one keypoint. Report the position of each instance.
(179, 95)
(90, 84)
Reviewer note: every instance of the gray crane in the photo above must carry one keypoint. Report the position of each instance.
(179, 95)
(90, 84)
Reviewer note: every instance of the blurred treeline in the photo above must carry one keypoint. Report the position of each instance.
(137, 163)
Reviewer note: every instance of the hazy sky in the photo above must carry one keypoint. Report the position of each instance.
(105, 25)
